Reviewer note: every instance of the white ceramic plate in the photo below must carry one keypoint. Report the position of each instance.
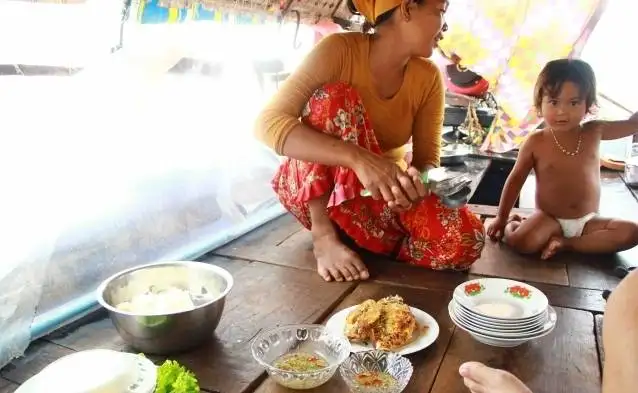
(545, 325)
(501, 300)
(337, 324)
(478, 320)
(491, 339)
(138, 374)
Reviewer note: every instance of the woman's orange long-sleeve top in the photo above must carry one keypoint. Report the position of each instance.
(416, 110)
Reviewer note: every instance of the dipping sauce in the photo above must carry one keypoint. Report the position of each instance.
(375, 379)
(300, 362)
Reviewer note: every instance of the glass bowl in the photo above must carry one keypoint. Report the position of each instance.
(398, 367)
(315, 340)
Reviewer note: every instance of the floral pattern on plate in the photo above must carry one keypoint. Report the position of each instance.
(473, 288)
(519, 291)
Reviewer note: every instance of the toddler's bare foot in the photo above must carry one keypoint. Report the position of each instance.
(482, 379)
(336, 261)
(513, 222)
(515, 218)
(554, 245)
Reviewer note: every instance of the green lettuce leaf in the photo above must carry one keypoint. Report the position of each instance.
(175, 378)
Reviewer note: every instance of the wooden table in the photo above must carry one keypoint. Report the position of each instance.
(277, 283)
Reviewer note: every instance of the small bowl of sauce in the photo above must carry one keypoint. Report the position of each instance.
(300, 356)
(376, 372)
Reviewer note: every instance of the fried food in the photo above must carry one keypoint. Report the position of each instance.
(361, 321)
(388, 323)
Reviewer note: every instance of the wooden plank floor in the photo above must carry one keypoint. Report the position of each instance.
(564, 361)
(253, 302)
(7, 386)
(274, 269)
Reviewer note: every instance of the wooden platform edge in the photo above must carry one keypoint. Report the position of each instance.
(598, 333)
(7, 386)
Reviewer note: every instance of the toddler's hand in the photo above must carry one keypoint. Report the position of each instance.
(496, 229)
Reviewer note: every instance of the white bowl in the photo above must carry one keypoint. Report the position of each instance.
(501, 300)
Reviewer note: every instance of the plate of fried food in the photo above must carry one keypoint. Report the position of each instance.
(387, 324)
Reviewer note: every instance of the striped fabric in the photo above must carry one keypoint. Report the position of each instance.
(180, 11)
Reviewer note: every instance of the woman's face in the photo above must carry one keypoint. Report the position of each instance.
(424, 26)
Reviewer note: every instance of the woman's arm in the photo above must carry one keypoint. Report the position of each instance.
(278, 125)
(428, 123)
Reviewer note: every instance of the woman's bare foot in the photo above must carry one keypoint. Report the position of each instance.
(482, 379)
(554, 245)
(336, 261)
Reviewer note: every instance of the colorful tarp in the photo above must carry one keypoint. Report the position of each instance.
(159, 11)
(508, 42)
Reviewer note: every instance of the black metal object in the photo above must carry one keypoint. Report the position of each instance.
(623, 271)
(455, 116)
(606, 294)
(452, 159)
(620, 272)
(488, 191)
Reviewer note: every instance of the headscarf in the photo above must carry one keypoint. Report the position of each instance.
(372, 9)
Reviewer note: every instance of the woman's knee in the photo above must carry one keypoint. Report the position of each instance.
(474, 235)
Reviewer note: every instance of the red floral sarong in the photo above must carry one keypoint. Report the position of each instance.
(428, 235)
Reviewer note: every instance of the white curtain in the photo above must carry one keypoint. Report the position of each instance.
(124, 163)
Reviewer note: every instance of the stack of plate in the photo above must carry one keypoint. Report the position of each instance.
(501, 313)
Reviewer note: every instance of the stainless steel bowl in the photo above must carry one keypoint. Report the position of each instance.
(164, 334)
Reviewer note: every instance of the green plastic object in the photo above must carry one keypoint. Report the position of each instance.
(424, 179)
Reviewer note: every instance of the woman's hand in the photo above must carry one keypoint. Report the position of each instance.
(382, 178)
(413, 188)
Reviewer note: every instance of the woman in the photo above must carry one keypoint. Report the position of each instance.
(361, 97)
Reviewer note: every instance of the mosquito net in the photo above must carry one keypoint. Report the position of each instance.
(120, 159)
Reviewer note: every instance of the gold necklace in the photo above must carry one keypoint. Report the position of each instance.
(565, 151)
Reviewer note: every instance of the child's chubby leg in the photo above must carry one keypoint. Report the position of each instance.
(530, 235)
(600, 236)
(512, 225)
